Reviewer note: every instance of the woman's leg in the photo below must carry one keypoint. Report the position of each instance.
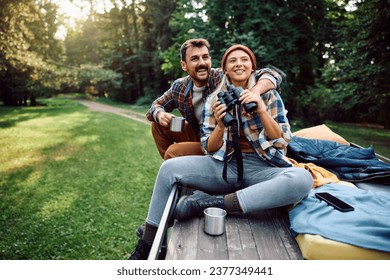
(270, 187)
(200, 172)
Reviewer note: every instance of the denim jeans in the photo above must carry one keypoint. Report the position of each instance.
(264, 186)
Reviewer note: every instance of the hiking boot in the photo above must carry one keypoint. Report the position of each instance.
(190, 206)
(184, 190)
(140, 230)
(141, 252)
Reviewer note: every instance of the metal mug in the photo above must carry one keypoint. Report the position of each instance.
(177, 124)
(214, 220)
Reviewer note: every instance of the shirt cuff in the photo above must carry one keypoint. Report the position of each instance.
(155, 114)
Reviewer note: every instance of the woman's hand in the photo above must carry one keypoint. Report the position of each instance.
(219, 112)
(247, 96)
(216, 138)
(270, 125)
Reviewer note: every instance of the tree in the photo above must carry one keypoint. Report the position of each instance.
(27, 46)
(358, 74)
(285, 34)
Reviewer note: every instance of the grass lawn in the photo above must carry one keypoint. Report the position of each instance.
(74, 184)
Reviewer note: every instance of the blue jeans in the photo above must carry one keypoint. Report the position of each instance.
(264, 186)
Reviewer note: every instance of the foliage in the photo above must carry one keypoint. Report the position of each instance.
(359, 69)
(98, 81)
(26, 45)
(335, 53)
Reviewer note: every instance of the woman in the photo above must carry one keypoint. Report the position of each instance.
(267, 179)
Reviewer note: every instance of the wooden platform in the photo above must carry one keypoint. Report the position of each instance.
(266, 237)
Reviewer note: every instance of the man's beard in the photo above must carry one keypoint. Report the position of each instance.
(199, 68)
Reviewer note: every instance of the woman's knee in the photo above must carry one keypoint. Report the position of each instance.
(172, 168)
(167, 166)
(304, 180)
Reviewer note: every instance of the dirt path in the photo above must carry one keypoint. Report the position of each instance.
(126, 113)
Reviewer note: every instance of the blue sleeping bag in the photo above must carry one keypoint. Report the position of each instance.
(368, 226)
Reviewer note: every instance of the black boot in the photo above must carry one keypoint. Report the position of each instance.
(190, 206)
(141, 252)
(140, 230)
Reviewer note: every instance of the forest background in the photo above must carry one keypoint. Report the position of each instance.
(333, 54)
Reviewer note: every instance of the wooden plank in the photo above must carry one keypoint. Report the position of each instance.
(240, 242)
(211, 247)
(265, 236)
(273, 237)
(268, 241)
(182, 242)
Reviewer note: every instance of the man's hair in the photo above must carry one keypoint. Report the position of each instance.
(199, 42)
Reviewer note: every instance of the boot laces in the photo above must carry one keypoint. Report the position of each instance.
(209, 202)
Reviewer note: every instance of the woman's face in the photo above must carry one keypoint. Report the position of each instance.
(239, 67)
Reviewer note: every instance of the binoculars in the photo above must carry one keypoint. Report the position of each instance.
(230, 98)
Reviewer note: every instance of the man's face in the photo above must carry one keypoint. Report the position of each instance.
(197, 64)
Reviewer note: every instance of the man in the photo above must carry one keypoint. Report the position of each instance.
(188, 95)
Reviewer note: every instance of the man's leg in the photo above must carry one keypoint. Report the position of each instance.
(164, 137)
(183, 149)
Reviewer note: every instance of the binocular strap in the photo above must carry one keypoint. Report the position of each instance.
(234, 129)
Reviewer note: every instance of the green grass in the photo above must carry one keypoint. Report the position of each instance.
(377, 138)
(74, 184)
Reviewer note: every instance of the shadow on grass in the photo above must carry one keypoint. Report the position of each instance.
(12, 115)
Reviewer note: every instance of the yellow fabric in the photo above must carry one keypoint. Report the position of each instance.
(320, 175)
(321, 132)
(316, 247)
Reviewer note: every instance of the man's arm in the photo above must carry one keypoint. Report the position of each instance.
(262, 86)
(165, 103)
(268, 79)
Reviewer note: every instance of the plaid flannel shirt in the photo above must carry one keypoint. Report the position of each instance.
(272, 151)
(179, 96)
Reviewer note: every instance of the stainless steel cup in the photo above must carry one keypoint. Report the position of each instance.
(177, 124)
(214, 221)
